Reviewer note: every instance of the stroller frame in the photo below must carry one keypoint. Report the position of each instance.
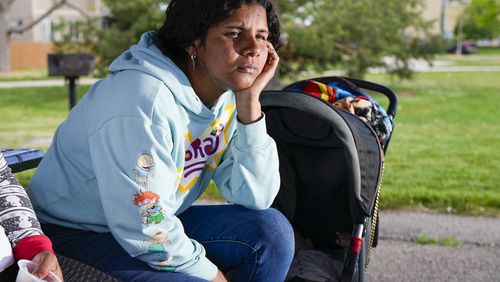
(363, 152)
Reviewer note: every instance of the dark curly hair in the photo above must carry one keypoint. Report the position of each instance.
(188, 20)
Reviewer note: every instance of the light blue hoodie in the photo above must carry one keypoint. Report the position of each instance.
(139, 149)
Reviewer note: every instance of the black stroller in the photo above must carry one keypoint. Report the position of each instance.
(331, 166)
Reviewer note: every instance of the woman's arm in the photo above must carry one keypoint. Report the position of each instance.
(249, 172)
(137, 181)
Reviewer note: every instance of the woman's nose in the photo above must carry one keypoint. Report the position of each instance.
(251, 48)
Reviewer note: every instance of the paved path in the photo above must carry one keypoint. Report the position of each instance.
(395, 261)
(399, 258)
(42, 83)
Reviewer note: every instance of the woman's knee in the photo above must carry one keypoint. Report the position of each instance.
(276, 233)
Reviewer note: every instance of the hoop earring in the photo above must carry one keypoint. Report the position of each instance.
(193, 61)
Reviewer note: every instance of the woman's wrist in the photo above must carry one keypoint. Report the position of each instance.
(248, 116)
(248, 108)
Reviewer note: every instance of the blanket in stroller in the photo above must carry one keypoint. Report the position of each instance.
(345, 95)
(316, 266)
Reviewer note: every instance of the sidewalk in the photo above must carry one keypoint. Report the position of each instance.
(470, 230)
(44, 83)
(399, 258)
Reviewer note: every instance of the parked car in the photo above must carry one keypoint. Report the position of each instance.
(468, 47)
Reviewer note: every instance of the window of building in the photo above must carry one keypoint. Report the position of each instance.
(74, 30)
(46, 30)
(17, 23)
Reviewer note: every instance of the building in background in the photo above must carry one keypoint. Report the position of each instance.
(29, 49)
(445, 14)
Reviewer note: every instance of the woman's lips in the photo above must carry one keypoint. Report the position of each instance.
(247, 68)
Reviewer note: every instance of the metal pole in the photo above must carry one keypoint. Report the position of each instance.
(72, 91)
(442, 18)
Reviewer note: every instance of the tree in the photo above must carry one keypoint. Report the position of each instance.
(480, 20)
(109, 37)
(319, 34)
(4, 39)
(355, 35)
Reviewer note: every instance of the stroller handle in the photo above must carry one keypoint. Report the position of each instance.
(391, 96)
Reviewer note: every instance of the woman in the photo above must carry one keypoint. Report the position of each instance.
(180, 109)
(20, 233)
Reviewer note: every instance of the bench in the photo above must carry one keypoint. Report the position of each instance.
(22, 159)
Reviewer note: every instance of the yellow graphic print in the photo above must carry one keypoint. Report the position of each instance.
(206, 150)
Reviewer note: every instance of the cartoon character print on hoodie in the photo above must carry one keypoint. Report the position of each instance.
(147, 202)
(143, 170)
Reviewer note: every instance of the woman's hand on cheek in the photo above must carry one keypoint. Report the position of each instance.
(247, 100)
(266, 74)
(268, 70)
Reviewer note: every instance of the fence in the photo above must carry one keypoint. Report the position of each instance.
(26, 54)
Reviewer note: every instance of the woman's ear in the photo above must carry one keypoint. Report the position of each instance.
(191, 50)
(194, 46)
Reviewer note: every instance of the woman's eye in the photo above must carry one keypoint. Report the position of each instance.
(259, 36)
(233, 34)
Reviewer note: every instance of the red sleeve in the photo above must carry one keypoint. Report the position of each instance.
(30, 246)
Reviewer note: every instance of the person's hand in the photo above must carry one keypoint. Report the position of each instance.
(266, 74)
(46, 261)
(220, 277)
(247, 100)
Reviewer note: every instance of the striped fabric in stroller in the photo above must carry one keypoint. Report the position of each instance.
(345, 95)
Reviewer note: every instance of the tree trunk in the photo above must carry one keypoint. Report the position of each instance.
(4, 43)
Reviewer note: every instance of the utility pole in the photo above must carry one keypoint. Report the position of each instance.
(460, 33)
(442, 17)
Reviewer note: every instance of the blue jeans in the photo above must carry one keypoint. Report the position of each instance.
(250, 245)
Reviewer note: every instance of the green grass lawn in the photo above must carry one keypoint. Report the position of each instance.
(32, 114)
(25, 74)
(483, 57)
(444, 154)
(30, 117)
(30, 74)
(488, 51)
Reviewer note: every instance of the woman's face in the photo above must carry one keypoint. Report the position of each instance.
(235, 50)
